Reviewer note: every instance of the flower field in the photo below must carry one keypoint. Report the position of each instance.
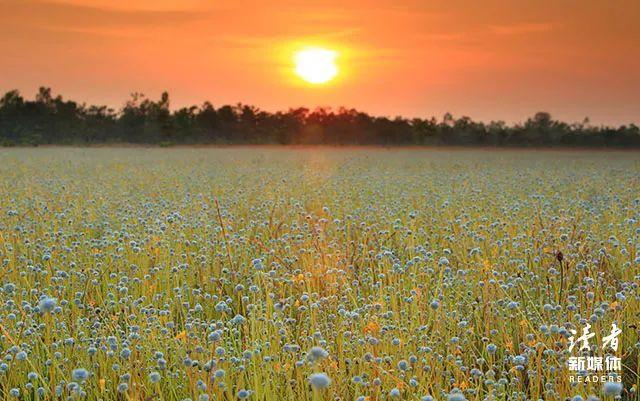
(286, 274)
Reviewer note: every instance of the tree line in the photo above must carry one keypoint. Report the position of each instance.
(50, 119)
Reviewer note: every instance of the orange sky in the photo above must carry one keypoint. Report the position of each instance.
(490, 60)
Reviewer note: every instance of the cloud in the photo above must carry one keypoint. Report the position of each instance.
(50, 13)
(521, 28)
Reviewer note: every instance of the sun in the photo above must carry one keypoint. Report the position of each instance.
(316, 65)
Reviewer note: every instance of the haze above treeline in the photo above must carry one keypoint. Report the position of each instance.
(51, 119)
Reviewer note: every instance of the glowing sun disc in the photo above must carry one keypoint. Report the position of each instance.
(316, 65)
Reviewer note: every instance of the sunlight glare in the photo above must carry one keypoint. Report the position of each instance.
(316, 65)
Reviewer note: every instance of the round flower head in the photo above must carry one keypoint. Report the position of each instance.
(319, 381)
(125, 353)
(47, 304)
(243, 394)
(214, 336)
(257, 264)
(154, 377)
(394, 393)
(456, 396)
(79, 374)
(612, 388)
(317, 354)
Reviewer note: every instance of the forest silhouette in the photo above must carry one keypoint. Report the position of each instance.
(50, 119)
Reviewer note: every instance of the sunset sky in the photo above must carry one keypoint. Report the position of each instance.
(490, 60)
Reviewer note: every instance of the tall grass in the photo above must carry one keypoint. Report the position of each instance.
(212, 273)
